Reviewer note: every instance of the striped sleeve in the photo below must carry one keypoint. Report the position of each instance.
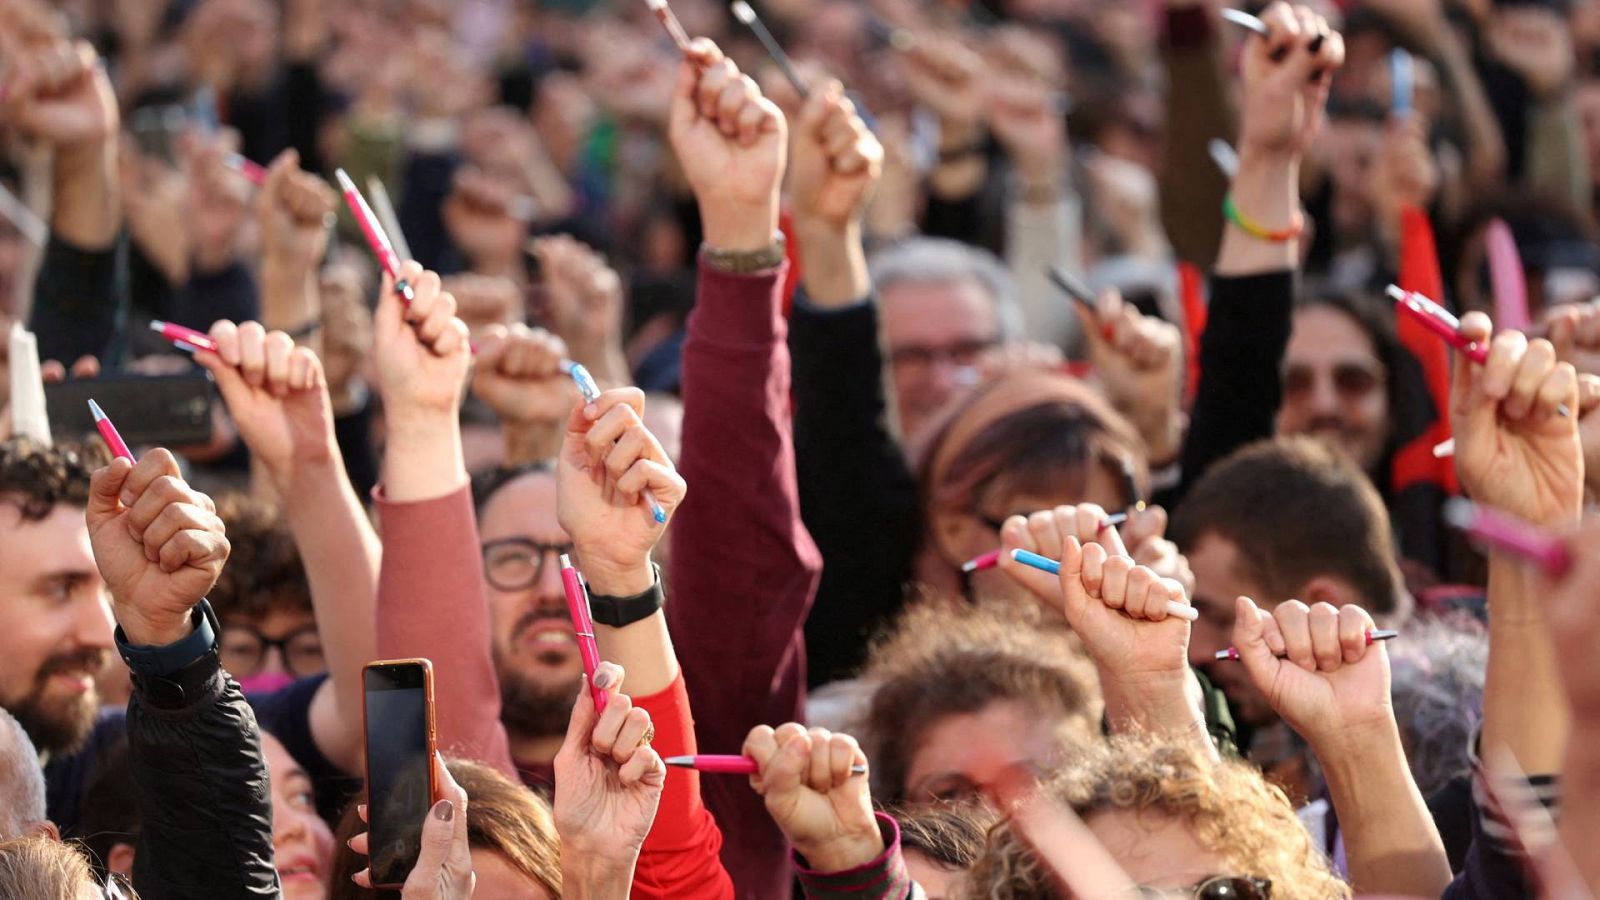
(883, 878)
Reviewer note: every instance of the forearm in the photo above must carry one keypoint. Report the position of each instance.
(1486, 149)
(962, 167)
(643, 648)
(290, 295)
(341, 553)
(1390, 840)
(833, 264)
(1524, 704)
(531, 442)
(585, 878)
(1557, 163)
(423, 458)
(1265, 191)
(88, 194)
(1170, 707)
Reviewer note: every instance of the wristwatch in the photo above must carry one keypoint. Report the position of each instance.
(149, 661)
(620, 612)
(745, 262)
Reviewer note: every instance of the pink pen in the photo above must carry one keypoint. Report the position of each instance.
(583, 628)
(1509, 534)
(1373, 636)
(108, 431)
(376, 239)
(728, 765)
(183, 338)
(253, 171)
(1438, 320)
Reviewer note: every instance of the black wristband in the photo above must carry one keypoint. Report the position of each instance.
(620, 612)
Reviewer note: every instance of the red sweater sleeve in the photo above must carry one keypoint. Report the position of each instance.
(679, 858)
(431, 603)
(743, 568)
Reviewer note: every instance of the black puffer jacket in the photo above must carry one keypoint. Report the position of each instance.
(194, 751)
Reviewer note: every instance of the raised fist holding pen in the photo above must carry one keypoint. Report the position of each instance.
(277, 396)
(1514, 451)
(1142, 537)
(1287, 76)
(158, 543)
(823, 808)
(837, 162)
(608, 458)
(518, 374)
(292, 208)
(731, 142)
(1139, 359)
(421, 348)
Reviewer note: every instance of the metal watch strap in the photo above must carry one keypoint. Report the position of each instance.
(745, 262)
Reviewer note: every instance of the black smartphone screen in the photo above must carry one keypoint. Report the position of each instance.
(397, 768)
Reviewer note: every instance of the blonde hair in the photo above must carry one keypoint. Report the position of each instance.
(1228, 807)
(39, 868)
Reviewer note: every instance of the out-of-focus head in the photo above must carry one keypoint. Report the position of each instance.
(1337, 374)
(940, 843)
(302, 843)
(535, 652)
(22, 800)
(1438, 674)
(1171, 819)
(516, 854)
(941, 304)
(40, 868)
(1556, 241)
(971, 698)
(1279, 520)
(1349, 145)
(263, 600)
(55, 617)
(1029, 440)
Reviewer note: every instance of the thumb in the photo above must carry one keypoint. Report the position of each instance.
(439, 830)
(1250, 638)
(105, 487)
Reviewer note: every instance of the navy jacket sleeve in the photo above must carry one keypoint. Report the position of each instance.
(79, 300)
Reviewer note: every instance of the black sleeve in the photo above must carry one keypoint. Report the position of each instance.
(78, 301)
(857, 495)
(1241, 354)
(228, 293)
(427, 183)
(306, 103)
(195, 755)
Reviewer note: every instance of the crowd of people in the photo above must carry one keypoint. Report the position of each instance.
(1006, 439)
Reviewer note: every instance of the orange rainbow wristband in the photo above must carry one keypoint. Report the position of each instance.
(1231, 212)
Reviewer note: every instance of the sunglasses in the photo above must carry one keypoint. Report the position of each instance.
(1350, 380)
(1222, 887)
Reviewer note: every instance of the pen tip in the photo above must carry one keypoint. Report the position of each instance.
(684, 761)
(1395, 292)
(743, 12)
(157, 325)
(661, 515)
(95, 410)
(566, 561)
(344, 180)
(969, 566)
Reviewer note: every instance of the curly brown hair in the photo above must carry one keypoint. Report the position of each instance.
(38, 478)
(945, 659)
(264, 572)
(1228, 806)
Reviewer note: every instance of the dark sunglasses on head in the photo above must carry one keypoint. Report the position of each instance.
(1222, 887)
(1350, 380)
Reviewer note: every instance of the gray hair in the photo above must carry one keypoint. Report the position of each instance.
(22, 800)
(941, 260)
(1439, 670)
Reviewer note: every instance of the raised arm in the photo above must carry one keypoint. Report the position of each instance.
(194, 751)
(743, 568)
(431, 589)
(1574, 620)
(279, 400)
(1314, 665)
(1516, 453)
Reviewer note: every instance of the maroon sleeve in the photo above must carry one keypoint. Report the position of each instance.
(432, 603)
(743, 569)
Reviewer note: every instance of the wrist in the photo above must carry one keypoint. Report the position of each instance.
(160, 630)
(1352, 748)
(590, 876)
(740, 227)
(614, 578)
(843, 852)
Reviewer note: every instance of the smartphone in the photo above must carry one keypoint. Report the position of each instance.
(150, 410)
(400, 742)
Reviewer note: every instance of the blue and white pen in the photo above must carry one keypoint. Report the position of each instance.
(591, 392)
(1046, 564)
(1402, 82)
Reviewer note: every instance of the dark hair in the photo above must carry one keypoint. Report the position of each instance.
(487, 483)
(111, 813)
(1294, 510)
(264, 571)
(37, 478)
(943, 660)
(1376, 319)
(502, 816)
(950, 834)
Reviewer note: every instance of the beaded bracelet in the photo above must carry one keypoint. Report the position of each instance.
(1297, 224)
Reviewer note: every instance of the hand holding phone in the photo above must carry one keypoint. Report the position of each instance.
(444, 863)
(402, 781)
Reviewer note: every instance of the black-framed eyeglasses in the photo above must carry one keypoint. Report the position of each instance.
(517, 563)
(244, 650)
(1220, 887)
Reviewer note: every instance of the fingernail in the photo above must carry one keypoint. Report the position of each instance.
(591, 411)
(444, 810)
(602, 679)
(351, 843)
(127, 498)
(1316, 43)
